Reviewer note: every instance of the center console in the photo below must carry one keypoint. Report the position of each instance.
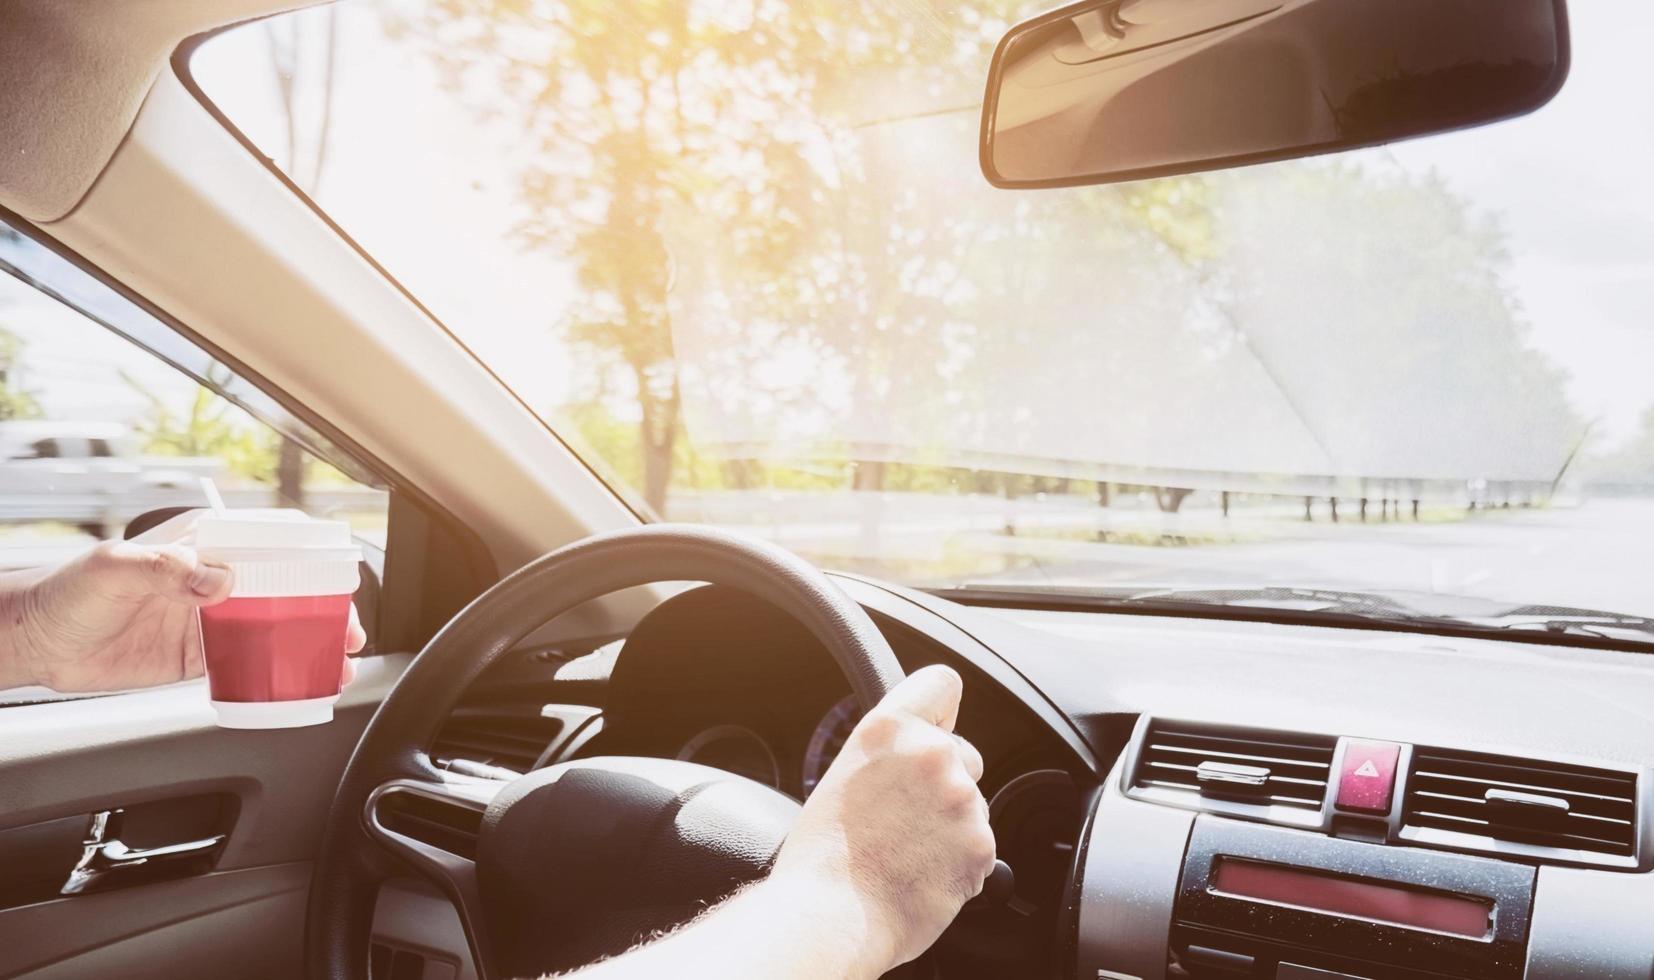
(1223, 852)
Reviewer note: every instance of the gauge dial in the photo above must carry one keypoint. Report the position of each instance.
(736, 749)
(827, 739)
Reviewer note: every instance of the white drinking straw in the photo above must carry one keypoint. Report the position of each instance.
(214, 498)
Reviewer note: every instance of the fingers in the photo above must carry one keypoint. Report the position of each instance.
(932, 693)
(172, 571)
(970, 757)
(355, 639)
(355, 636)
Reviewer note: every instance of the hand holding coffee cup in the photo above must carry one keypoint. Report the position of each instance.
(275, 648)
(122, 614)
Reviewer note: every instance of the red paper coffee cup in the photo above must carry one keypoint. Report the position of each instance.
(275, 650)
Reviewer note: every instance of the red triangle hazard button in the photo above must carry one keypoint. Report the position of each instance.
(1367, 775)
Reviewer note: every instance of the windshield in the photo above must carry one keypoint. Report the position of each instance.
(740, 255)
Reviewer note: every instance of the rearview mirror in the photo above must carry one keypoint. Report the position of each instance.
(1111, 90)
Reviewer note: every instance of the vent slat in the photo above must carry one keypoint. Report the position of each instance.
(1528, 787)
(1447, 791)
(1263, 740)
(1244, 756)
(1274, 798)
(1519, 833)
(510, 740)
(1623, 816)
(1299, 766)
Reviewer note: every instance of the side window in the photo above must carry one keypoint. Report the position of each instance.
(107, 416)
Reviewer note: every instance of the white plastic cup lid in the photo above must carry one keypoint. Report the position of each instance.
(271, 552)
(272, 535)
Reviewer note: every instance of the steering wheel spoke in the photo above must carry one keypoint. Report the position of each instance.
(432, 826)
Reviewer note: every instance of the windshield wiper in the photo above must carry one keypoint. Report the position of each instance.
(1272, 597)
(1387, 610)
(1281, 597)
(1568, 621)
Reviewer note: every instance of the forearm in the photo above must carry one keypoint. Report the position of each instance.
(15, 668)
(780, 930)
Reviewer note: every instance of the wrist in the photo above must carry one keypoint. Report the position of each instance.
(851, 930)
(20, 664)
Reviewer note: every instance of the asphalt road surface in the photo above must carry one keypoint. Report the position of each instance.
(1597, 554)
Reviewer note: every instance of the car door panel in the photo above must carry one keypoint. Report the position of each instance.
(159, 755)
(243, 924)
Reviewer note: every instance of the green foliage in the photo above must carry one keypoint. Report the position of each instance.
(15, 402)
(651, 117)
(764, 179)
(209, 426)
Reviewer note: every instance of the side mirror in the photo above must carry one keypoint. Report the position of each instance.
(1111, 90)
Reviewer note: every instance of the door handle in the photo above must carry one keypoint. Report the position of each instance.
(115, 854)
(106, 861)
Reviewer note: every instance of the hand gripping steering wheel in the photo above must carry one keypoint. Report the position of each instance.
(582, 858)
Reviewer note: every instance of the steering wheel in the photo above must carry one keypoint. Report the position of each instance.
(583, 858)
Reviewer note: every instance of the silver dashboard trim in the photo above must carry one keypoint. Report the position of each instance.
(1597, 924)
(1129, 879)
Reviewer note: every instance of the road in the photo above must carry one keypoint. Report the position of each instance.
(1595, 554)
(1598, 553)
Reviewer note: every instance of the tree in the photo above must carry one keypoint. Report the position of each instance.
(742, 192)
(16, 402)
(306, 157)
(651, 117)
(208, 426)
(1376, 299)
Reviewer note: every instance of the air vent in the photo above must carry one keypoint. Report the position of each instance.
(1238, 764)
(510, 739)
(1500, 799)
(440, 823)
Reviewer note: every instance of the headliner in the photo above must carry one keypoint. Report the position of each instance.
(72, 76)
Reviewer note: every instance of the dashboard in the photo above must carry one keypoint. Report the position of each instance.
(745, 752)
(1187, 797)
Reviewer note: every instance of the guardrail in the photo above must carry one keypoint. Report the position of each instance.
(111, 512)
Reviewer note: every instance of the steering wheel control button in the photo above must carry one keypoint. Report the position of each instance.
(1367, 779)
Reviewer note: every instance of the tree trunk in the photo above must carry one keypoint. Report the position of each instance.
(738, 473)
(657, 471)
(869, 475)
(659, 437)
(1169, 499)
(290, 473)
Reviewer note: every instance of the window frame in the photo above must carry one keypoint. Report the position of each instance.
(631, 501)
(421, 534)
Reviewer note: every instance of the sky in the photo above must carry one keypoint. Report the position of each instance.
(1571, 184)
(429, 189)
(79, 371)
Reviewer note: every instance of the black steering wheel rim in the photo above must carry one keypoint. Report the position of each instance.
(352, 863)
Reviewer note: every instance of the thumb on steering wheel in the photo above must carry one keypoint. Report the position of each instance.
(932, 693)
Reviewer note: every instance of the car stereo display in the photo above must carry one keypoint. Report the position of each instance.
(1316, 891)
